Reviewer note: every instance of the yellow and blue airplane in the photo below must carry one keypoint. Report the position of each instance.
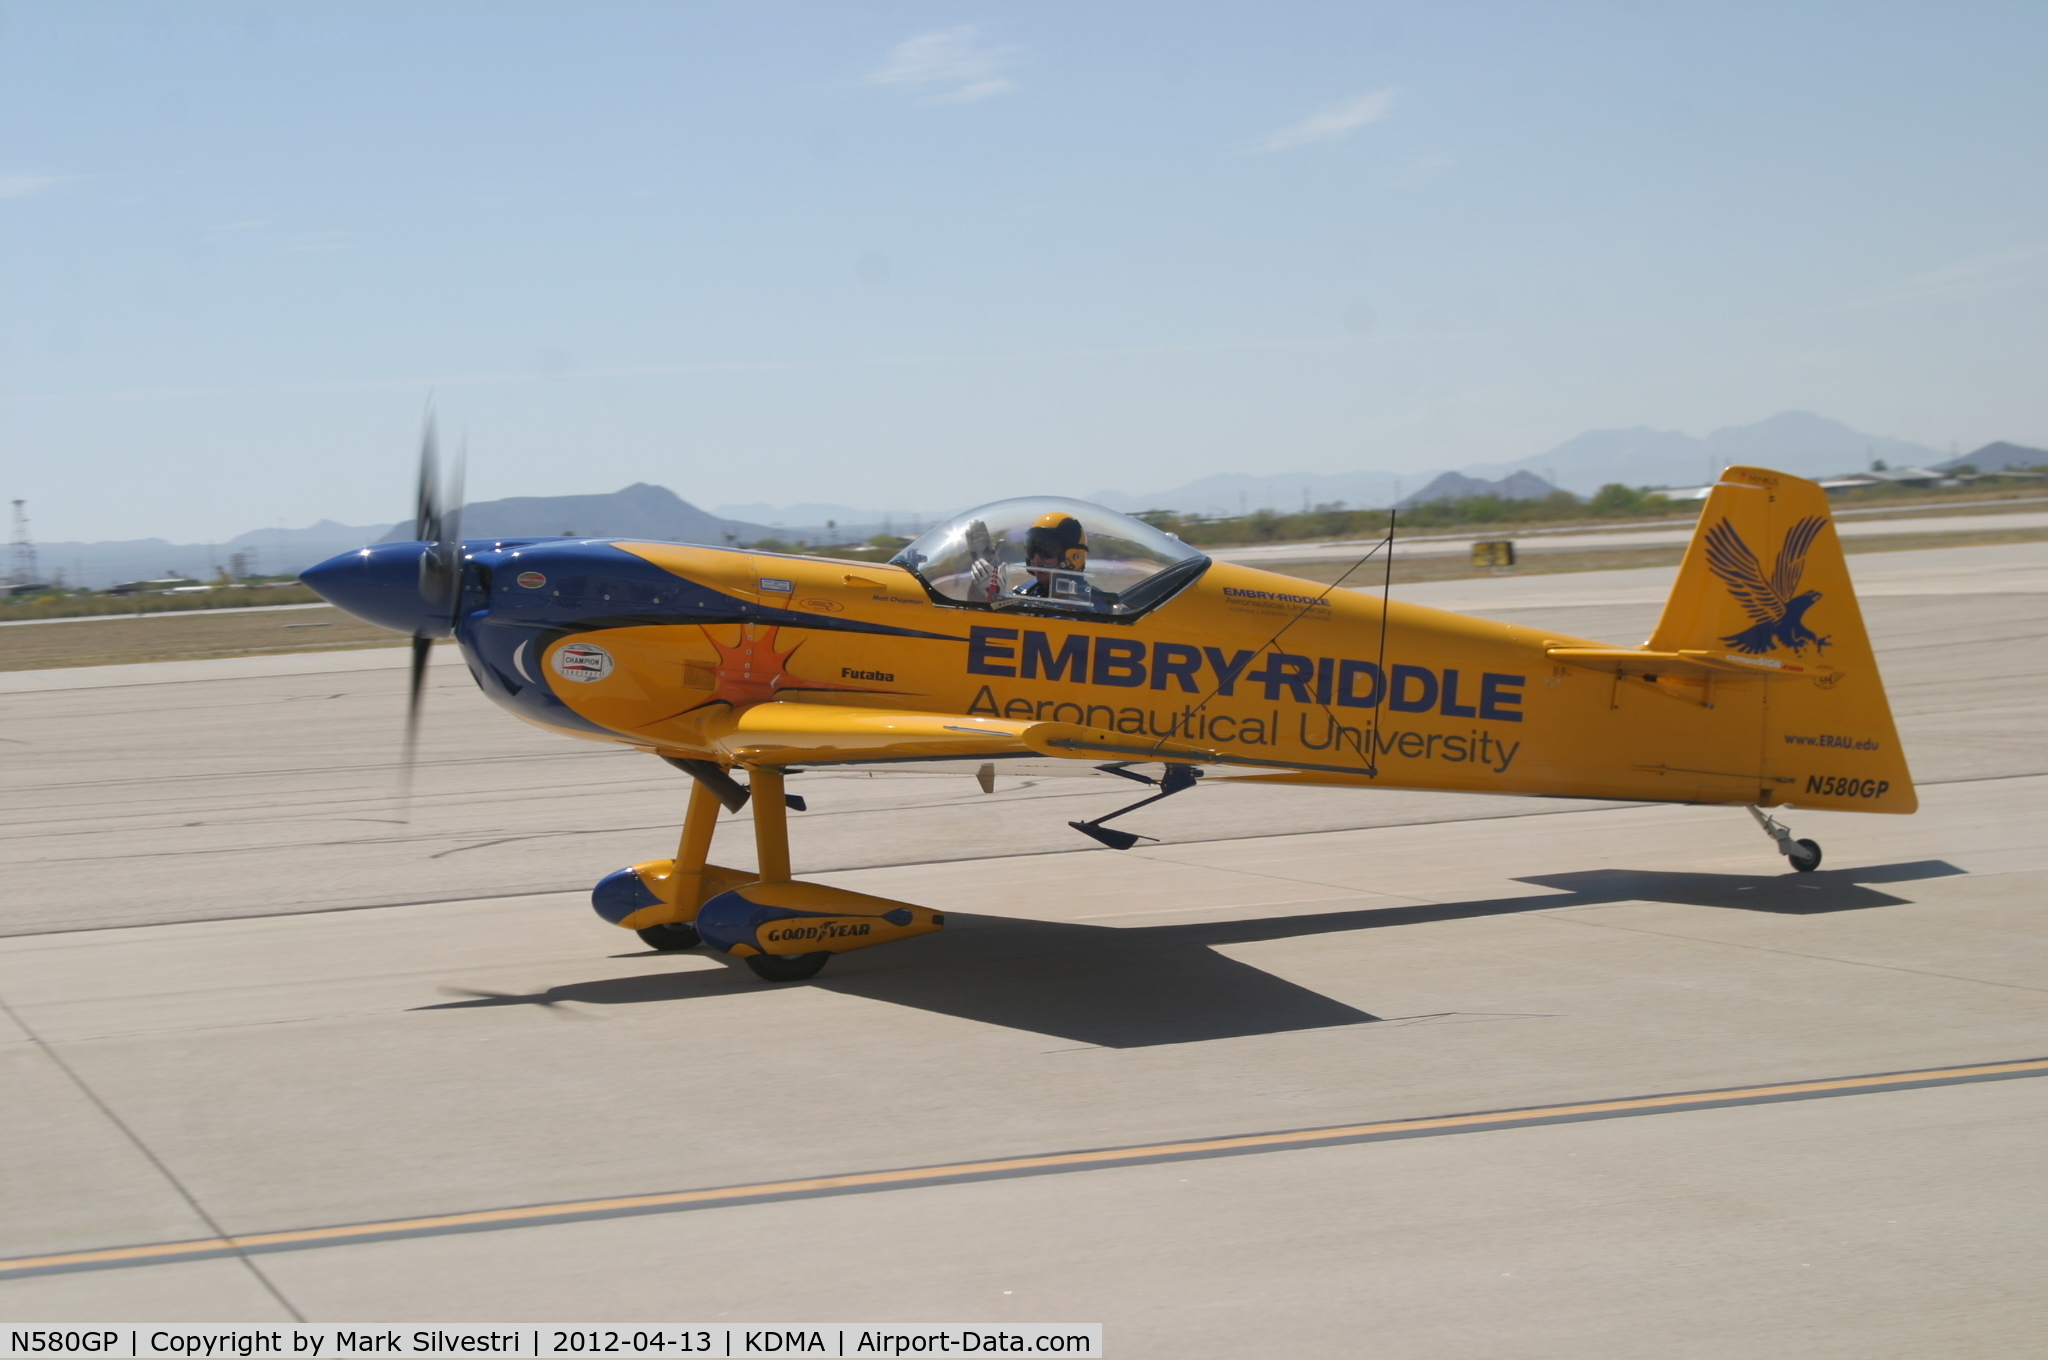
(1050, 630)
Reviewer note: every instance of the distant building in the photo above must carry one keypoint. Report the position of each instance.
(159, 586)
(1882, 476)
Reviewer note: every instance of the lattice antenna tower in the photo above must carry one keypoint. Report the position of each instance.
(23, 550)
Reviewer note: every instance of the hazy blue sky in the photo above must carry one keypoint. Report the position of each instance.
(921, 254)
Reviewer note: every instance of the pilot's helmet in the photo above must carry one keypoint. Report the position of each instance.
(1058, 535)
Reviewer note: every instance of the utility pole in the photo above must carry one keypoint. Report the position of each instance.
(22, 569)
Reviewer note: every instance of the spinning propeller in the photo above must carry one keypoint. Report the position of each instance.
(409, 587)
(437, 527)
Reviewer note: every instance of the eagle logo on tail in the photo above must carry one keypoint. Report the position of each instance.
(1775, 602)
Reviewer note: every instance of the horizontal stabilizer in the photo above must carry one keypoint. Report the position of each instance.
(1687, 665)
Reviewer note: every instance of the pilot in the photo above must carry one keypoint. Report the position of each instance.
(1056, 553)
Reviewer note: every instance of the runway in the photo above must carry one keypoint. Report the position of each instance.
(860, 1182)
(244, 1001)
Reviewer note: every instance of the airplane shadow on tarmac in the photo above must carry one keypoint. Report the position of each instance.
(1133, 987)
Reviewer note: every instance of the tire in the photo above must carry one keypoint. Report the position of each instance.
(787, 967)
(1809, 858)
(669, 936)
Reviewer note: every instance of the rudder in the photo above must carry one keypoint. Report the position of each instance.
(1764, 588)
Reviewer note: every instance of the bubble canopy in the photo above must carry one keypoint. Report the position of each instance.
(1018, 555)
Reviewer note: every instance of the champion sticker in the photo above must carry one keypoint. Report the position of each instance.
(771, 586)
(532, 580)
(583, 663)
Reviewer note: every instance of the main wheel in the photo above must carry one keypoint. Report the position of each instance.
(788, 967)
(669, 936)
(1808, 858)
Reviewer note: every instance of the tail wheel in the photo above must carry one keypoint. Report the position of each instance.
(669, 936)
(1807, 858)
(787, 967)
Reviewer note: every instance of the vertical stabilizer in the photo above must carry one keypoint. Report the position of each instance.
(1764, 589)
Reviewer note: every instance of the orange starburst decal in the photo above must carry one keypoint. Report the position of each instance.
(750, 671)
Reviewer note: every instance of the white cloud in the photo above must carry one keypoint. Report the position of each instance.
(951, 66)
(1333, 124)
(1986, 274)
(26, 184)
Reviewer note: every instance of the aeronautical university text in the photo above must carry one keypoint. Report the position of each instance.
(1327, 683)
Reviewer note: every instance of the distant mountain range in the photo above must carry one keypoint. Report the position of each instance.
(268, 552)
(1236, 493)
(1456, 486)
(1795, 441)
(1997, 458)
(1798, 442)
(638, 511)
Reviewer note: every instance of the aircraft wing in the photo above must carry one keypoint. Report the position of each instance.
(787, 733)
(838, 734)
(842, 734)
(1090, 743)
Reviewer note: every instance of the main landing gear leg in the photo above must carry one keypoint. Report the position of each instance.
(784, 929)
(1804, 855)
(771, 849)
(693, 852)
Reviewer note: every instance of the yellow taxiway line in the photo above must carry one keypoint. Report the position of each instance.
(485, 1219)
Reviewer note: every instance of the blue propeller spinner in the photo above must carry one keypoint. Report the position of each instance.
(408, 587)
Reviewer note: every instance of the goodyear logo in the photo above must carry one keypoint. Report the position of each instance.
(818, 930)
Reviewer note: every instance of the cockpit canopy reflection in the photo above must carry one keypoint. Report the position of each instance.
(1048, 554)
